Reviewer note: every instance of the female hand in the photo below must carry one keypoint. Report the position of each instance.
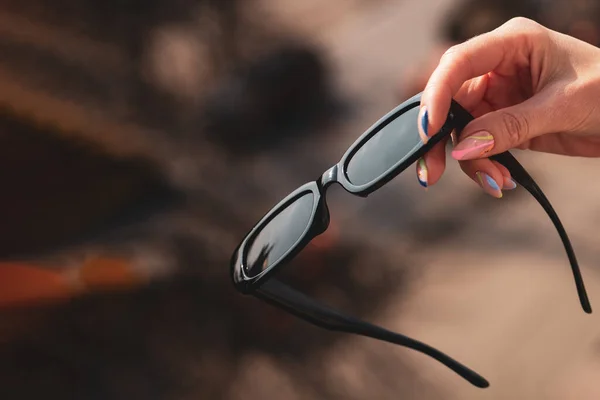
(528, 87)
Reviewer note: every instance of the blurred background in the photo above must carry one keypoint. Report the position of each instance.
(140, 140)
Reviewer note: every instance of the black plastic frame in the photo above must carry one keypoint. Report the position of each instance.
(276, 293)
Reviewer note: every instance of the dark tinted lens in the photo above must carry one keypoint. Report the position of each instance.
(392, 144)
(280, 235)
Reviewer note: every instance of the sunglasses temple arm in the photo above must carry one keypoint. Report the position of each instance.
(461, 118)
(302, 306)
(524, 179)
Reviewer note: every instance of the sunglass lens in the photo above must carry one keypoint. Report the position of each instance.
(280, 235)
(386, 148)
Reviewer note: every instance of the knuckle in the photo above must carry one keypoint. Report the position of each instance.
(525, 28)
(515, 128)
(522, 23)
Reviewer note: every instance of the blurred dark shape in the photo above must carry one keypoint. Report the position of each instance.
(579, 18)
(101, 64)
(474, 17)
(103, 70)
(59, 191)
(185, 336)
(121, 22)
(188, 333)
(212, 69)
(268, 101)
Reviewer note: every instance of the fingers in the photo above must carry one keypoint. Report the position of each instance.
(491, 176)
(432, 165)
(501, 130)
(460, 63)
(507, 47)
(463, 73)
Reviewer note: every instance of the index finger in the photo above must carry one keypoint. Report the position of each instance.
(473, 58)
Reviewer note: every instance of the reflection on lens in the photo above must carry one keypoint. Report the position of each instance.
(392, 144)
(280, 235)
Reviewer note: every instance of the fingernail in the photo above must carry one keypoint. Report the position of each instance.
(453, 138)
(488, 184)
(423, 124)
(422, 172)
(509, 184)
(473, 146)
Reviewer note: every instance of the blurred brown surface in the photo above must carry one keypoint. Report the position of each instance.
(483, 280)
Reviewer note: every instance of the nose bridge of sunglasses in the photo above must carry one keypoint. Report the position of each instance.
(329, 177)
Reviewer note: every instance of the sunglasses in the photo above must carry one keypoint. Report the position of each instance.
(385, 150)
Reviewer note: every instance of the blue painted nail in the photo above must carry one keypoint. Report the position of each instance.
(425, 122)
(488, 184)
(491, 182)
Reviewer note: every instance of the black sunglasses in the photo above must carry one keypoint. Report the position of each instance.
(381, 153)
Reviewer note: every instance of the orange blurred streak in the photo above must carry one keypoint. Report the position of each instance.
(108, 273)
(24, 284)
(29, 284)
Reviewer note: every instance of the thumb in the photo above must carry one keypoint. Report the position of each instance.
(504, 129)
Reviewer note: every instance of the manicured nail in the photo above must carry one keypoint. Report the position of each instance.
(422, 172)
(489, 185)
(423, 124)
(509, 184)
(453, 138)
(473, 146)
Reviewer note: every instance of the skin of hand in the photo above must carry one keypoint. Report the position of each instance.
(527, 86)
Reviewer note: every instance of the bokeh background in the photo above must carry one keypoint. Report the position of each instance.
(140, 140)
